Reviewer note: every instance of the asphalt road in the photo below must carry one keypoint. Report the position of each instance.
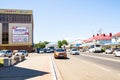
(89, 67)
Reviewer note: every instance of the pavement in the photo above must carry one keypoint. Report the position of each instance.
(35, 67)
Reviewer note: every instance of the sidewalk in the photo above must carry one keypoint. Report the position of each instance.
(35, 67)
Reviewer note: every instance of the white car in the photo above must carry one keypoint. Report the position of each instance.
(22, 52)
(6, 53)
(109, 51)
(117, 52)
(74, 52)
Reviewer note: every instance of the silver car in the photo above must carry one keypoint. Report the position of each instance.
(6, 53)
(22, 52)
(74, 52)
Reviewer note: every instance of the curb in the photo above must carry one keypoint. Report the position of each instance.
(56, 73)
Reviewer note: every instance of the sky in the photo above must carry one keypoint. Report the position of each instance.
(69, 19)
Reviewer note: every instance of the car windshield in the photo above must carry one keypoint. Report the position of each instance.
(74, 49)
(22, 51)
(97, 45)
(2, 51)
(60, 50)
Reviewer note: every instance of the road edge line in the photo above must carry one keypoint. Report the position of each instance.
(55, 70)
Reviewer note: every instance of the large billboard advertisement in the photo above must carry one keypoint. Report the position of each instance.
(20, 34)
(20, 38)
(20, 30)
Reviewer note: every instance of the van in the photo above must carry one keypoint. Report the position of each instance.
(95, 48)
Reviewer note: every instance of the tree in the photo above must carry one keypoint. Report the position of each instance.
(59, 44)
(64, 42)
(41, 44)
(46, 42)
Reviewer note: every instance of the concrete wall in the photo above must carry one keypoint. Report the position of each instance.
(11, 25)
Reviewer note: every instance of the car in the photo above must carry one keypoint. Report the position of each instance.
(116, 52)
(109, 51)
(74, 51)
(60, 53)
(41, 51)
(6, 53)
(22, 52)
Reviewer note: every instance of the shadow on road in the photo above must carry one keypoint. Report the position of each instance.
(19, 73)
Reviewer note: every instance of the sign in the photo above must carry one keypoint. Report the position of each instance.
(20, 38)
(78, 45)
(13, 11)
(20, 30)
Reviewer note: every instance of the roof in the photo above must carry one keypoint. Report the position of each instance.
(98, 37)
(117, 34)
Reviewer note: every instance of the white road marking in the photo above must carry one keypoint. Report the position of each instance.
(102, 58)
(53, 69)
(105, 69)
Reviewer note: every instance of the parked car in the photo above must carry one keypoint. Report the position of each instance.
(117, 52)
(60, 53)
(109, 51)
(41, 51)
(22, 52)
(6, 53)
(74, 51)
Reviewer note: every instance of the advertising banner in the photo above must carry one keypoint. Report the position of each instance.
(20, 31)
(20, 38)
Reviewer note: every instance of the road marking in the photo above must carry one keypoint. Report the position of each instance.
(105, 69)
(53, 69)
(101, 58)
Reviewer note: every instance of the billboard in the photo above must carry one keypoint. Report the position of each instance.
(20, 31)
(20, 34)
(20, 38)
(13, 11)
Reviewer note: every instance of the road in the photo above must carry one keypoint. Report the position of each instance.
(89, 66)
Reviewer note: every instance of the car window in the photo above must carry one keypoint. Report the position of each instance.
(60, 50)
(118, 50)
(74, 49)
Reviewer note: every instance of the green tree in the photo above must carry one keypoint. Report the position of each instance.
(64, 42)
(59, 44)
(46, 42)
(41, 44)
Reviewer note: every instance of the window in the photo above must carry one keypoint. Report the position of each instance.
(15, 18)
(5, 35)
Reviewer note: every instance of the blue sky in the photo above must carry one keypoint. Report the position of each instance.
(69, 19)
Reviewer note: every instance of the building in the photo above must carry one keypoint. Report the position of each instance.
(99, 38)
(16, 29)
(116, 37)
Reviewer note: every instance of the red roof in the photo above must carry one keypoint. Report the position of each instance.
(98, 37)
(117, 34)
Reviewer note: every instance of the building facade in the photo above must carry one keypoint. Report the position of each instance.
(16, 29)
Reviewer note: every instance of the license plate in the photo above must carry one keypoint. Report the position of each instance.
(61, 55)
